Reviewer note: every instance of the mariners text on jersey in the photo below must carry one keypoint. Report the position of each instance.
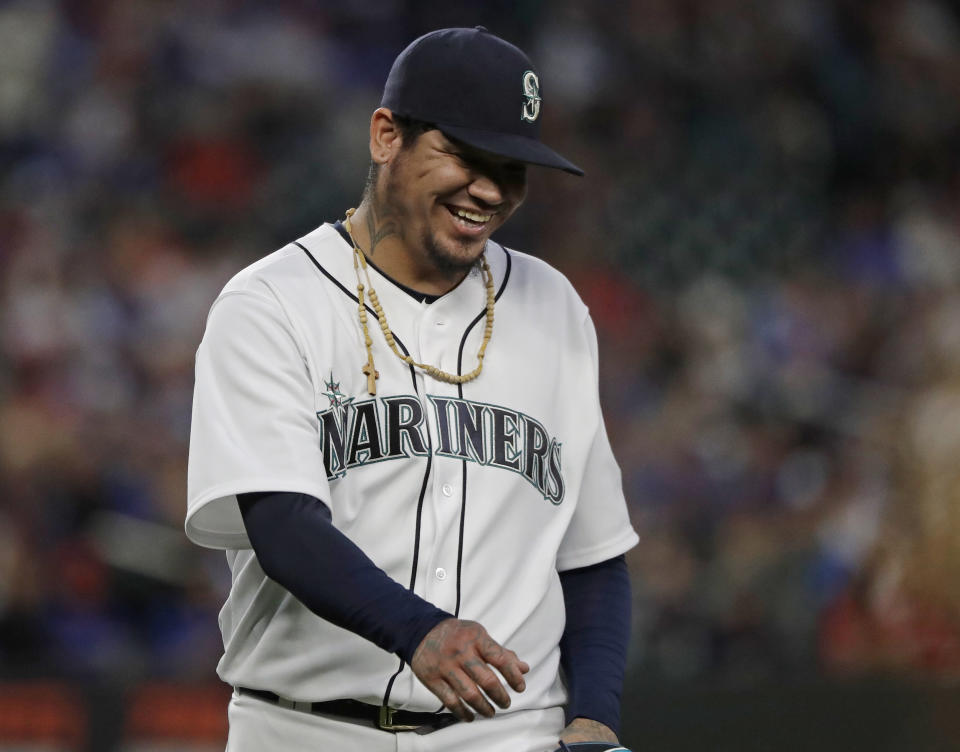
(356, 433)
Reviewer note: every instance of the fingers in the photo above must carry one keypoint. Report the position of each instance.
(485, 678)
(506, 662)
(467, 690)
(450, 700)
(457, 688)
(452, 661)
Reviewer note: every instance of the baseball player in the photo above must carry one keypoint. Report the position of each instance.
(397, 439)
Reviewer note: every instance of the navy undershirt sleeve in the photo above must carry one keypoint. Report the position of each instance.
(298, 547)
(593, 649)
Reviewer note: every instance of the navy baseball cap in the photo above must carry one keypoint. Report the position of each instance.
(476, 88)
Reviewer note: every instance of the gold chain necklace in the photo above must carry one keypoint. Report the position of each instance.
(360, 261)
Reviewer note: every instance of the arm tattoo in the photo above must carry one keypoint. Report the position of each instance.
(599, 730)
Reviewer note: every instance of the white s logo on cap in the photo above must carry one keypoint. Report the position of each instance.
(531, 90)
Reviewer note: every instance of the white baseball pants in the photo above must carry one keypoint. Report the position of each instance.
(256, 726)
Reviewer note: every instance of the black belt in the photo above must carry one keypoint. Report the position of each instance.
(384, 718)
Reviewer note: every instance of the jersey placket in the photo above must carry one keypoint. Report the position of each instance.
(438, 341)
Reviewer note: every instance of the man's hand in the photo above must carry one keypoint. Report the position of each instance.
(452, 661)
(585, 730)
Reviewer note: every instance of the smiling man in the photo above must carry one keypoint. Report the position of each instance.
(421, 512)
(440, 204)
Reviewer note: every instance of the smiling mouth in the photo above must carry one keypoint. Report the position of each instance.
(469, 218)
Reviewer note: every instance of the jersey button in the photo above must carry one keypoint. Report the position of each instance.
(441, 322)
(447, 489)
(441, 573)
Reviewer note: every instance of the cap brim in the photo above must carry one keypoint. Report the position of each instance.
(512, 146)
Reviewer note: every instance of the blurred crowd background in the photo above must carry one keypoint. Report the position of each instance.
(768, 237)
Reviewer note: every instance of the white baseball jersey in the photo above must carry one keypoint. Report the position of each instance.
(475, 496)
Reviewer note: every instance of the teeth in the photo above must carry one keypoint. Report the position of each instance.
(473, 216)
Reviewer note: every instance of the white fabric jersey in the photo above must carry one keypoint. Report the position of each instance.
(474, 495)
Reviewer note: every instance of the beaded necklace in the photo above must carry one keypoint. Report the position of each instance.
(360, 262)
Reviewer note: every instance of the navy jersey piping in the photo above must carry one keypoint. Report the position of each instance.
(463, 485)
(421, 297)
(426, 474)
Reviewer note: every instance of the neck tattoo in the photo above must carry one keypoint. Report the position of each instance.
(380, 224)
(369, 370)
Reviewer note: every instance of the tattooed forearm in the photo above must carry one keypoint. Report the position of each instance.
(587, 730)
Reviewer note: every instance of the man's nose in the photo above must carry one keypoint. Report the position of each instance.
(486, 189)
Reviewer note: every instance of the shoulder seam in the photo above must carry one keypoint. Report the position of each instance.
(272, 299)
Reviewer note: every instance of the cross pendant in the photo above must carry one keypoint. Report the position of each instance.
(372, 376)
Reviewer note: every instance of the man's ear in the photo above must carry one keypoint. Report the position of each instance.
(385, 138)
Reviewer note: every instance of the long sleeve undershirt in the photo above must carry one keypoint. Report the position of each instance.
(593, 649)
(299, 548)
